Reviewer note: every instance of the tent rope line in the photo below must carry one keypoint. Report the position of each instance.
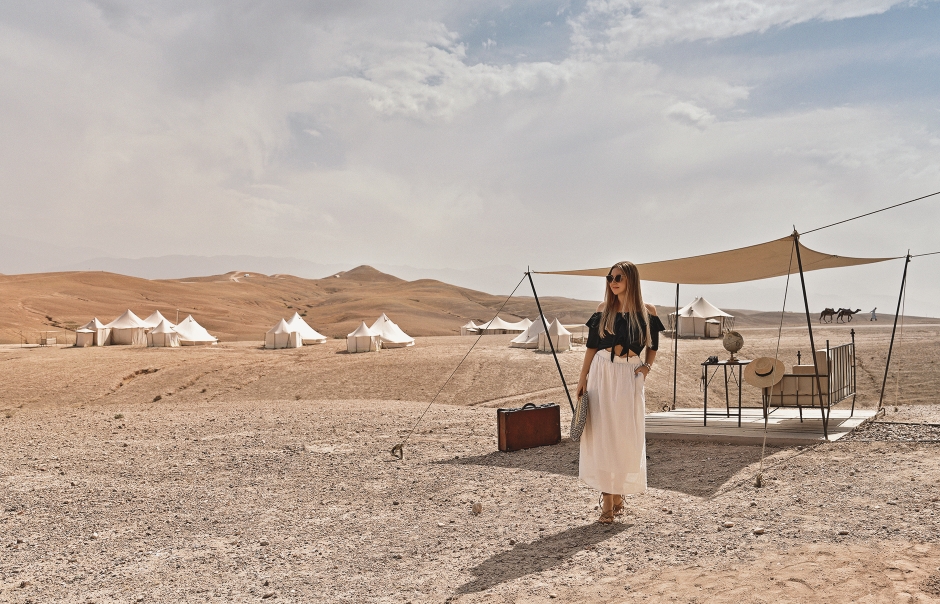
(782, 463)
(398, 451)
(548, 337)
(899, 315)
(897, 205)
(811, 448)
(759, 479)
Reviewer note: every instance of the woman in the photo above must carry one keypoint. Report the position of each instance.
(613, 444)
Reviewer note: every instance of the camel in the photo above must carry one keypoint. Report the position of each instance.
(847, 312)
(827, 313)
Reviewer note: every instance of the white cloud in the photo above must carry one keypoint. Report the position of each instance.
(427, 77)
(691, 114)
(295, 131)
(618, 26)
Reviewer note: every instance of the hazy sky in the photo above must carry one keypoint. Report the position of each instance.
(471, 134)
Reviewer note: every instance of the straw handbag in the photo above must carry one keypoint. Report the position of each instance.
(579, 417)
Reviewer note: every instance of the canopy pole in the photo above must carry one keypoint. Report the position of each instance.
(812, 344)
(675, 350)
(549, 338)
(907, 260)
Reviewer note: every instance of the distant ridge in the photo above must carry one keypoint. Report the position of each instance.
(367, 274)
(244, 304)
(176, 266)
(497, 279)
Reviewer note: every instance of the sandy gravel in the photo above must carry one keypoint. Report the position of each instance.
(493, 375)
(267, 474)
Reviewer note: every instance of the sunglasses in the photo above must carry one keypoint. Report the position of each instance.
(614, 278)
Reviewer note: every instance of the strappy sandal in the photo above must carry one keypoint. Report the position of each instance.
(607, 516)
(618, 505)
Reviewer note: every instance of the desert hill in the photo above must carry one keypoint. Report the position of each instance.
(241, 305)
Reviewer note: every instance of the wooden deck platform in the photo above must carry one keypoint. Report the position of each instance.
(783, 428)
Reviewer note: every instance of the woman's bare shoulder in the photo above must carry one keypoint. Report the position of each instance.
(651, 309)
(600, 307)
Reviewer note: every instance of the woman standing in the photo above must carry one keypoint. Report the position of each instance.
(613, 444)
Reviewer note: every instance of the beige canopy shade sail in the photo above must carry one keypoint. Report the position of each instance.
(762, 261)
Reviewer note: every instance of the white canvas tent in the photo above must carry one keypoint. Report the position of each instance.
(102, 335)
(363, 340)
(578, 332)
(561, 338)
(128, 329)
(701, 319)
(470, 328)
(193, 334)
(283, 335)
(392, 335)
(530, 337)
(84, 337)
(163, 335)
(308, 334)
(154, 319)
(93, 325)
(497, 326)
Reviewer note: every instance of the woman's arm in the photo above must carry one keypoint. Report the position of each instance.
(650, 357)
(585, 368)
(586, 365)
(650, 353)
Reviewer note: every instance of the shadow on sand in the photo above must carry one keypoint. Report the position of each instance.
(689, 467)
(561, 459)
(528, 558)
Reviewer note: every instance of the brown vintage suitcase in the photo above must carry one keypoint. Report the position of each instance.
(529, 426)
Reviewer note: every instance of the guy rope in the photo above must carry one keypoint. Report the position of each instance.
(899, 314)
(398, 451)
(759, 479)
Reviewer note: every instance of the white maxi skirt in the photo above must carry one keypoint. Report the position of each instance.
(613, 444)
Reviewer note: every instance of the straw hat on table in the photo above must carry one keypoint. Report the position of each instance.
(764, 372)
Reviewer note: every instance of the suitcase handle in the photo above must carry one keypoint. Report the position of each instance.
(527, 405)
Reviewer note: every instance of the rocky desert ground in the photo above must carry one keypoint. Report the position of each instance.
(236, 474)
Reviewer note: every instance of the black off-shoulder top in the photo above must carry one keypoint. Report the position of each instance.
(624, 334)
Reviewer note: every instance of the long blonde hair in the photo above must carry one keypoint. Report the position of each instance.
(633, 296)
